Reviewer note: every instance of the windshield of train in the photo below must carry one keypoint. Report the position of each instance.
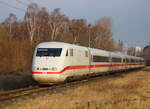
(50, 52)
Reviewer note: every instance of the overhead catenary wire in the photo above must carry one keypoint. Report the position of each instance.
(11, 6)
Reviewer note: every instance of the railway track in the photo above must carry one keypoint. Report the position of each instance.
(14, 94)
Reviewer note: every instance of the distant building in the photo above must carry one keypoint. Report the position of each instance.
(134, 51)
(146, 54)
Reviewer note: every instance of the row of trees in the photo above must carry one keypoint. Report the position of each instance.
(19, 37)
(39, 25)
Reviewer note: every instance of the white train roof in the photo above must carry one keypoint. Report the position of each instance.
(49, 44)
(99, 52)
(93, 50)
(60, 45)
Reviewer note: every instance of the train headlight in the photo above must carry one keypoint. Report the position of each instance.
(37, 68)
(54, 68)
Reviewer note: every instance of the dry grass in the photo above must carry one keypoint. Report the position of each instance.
(128, 91)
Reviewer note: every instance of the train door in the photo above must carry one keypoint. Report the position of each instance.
(71, 54)
(90, 60)
(76, 61)
(69, 61)
(122, 63)
(110, 63)
(125, 63)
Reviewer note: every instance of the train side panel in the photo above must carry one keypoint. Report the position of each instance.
(77, 60)
(100, 62)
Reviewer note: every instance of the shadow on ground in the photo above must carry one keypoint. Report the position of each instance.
(10, 82)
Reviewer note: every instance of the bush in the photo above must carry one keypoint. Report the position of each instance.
(16, 56)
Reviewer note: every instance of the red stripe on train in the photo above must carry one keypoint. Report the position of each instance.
(82, 67)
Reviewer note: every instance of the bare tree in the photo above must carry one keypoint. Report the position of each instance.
(42, 24)
(73, 28)
(102, 34)
(31, 19)
(78, 27)
(3, 33)
(56, 22)
(9, 23)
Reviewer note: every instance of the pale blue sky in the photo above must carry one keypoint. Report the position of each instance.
(131, 18)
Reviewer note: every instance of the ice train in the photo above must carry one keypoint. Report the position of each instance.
(55, 62)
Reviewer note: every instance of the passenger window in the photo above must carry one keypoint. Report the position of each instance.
(114, 59)
(124, 60)
(71, 52)
(100, 59)
(127, 60)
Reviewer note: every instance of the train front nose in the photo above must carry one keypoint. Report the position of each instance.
(47, 65)
(47, 78)
(47, 73)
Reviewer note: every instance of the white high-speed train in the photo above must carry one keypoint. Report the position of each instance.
(55, 62)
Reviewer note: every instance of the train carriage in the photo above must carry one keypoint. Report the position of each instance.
(54, 62)
(100, 61)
